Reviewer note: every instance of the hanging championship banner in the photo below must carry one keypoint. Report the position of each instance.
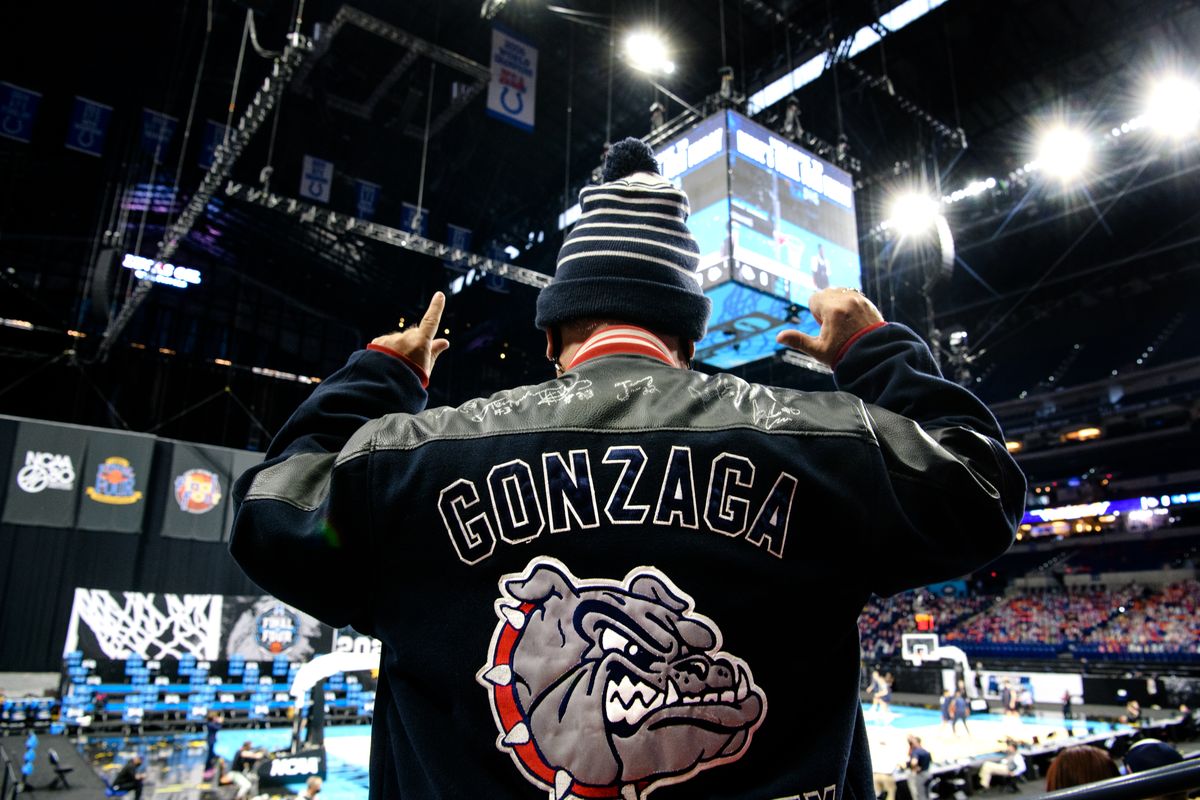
(89, 126)
(242, 461)
(513, 88)
(157, 131)
(18, 107)
(45, 475)
(198, 492)
(114, 479)
(317, 179)
(366, 198)
(414, 220)
(214, 134)
(458, 237)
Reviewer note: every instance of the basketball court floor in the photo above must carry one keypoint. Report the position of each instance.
(985, 736)
(176, 764)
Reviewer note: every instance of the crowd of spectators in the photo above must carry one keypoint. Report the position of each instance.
(885, 619)
(1043, 617)
(1164, 621)
(1117, 620)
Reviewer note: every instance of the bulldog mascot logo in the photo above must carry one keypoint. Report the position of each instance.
(607, 689)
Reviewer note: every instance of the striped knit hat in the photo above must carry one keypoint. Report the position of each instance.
(630, 258)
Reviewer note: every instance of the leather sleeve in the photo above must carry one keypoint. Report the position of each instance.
(950, 496)
(302, 527)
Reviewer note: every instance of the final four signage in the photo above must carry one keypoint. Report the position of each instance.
(115, 482)
(276, 629)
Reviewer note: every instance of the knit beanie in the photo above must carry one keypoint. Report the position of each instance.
(1150, 754)
(630, 257)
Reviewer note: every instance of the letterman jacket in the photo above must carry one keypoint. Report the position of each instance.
(631, 579)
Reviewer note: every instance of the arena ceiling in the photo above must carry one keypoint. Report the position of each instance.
(1041, 268)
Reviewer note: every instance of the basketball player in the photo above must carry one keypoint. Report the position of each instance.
(959, 711)
(881, 692)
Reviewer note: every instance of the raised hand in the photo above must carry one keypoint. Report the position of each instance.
(419, 343)
(841, 313)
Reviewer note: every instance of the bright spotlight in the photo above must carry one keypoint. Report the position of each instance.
(1173, 107)
(1064, 153)
(648, 52)
(913, 213)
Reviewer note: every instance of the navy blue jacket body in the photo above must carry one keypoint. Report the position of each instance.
(631, 580)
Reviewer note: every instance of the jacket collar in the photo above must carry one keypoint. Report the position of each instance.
(623, 340)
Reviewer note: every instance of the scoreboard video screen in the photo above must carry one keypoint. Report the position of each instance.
(792, 215)
(774, 224)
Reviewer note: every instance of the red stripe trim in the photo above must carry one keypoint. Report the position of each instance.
(421, 374)
(841, 353)
(596, 346)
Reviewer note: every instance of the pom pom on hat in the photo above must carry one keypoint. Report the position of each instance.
(626, 157)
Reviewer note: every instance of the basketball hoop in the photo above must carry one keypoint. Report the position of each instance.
(917, 648)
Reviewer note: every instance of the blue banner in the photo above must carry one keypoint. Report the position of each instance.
(18, 107)
(317, 179)
(214, 135)
(414, 220)
(366, 196)
(89, 126)
(458, 237)
(157, 131)
(513, 88)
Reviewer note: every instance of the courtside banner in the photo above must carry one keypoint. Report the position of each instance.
(197, 492)
(259, 628)
(45, 476)
(114, 480)
(513, 89)
(114, 625)
(242, 461)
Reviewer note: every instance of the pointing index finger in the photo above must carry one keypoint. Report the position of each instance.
(433, 315)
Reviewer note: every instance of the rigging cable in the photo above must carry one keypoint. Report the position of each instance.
(721, 9)
(187, 130)
(237, 78)
(419, 218)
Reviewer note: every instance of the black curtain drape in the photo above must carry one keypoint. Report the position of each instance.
(40, 568)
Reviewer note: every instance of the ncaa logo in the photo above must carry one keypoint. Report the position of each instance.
(197, 491)
(291, 767)
(276, 629)
(45, 471)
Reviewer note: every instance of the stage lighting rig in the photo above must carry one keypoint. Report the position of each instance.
(336, 224)
(648, 52)
(1173, 107)
(791, 120)
(491, 8)
(913, 213)
(224, 157)
(658, 115)
(1064, 153)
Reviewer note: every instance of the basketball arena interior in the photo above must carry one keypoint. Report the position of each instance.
(207, 205)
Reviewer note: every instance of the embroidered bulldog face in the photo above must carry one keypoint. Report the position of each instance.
(607, 689)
